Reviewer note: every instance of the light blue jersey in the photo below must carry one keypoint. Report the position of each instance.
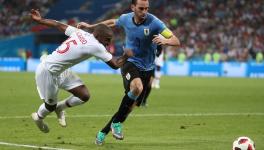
(139, 39)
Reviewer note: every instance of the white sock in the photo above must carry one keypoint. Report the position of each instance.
(157, 77)
(71, 100)
(158, 74)
(154, 82)
(43, 111)
(157, 81)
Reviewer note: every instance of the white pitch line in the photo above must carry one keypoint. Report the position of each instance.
(148, 115)
(31, 146)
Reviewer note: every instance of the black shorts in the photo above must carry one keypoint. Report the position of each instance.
(129, 72)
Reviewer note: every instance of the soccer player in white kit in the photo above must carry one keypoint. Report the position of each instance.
(53, 74)
(159, 61)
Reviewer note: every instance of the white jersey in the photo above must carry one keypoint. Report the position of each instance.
(78, 47)
(159, 61)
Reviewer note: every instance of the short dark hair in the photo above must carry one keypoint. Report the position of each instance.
(103, 31)
(134, 2)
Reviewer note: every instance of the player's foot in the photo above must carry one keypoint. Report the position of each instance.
(100, 138)
(155, 85)
(40, 123)
(117, 131)
(61, 117)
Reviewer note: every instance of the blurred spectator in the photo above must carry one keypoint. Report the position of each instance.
(216, 57)
(181, 57)
(259, 57)
(22, 54)
(207, 57)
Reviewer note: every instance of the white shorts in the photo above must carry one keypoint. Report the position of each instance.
(48, 85)
(159, 61)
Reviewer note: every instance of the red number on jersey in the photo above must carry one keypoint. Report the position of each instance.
(61, 51)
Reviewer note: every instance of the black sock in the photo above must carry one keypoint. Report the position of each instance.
(146, 94)
(124, 109)
(107, 128)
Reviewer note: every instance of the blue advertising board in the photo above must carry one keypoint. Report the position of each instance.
(200, 68)
(234, 69)
(12, 64)
(255, 70)
(175, 68)
(172, 68)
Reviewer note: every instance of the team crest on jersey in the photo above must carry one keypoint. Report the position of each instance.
(146, 31)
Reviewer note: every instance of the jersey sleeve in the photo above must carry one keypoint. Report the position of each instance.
(162, 29)
(120, 21)
(103, 54)
(69, 30)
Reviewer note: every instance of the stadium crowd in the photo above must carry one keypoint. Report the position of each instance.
(219, 30)
(14, 15)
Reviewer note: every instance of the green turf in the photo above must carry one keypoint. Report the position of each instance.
(154, 131)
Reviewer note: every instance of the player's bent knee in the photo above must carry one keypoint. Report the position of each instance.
(138, 89)
(136, 86)
(50, 108)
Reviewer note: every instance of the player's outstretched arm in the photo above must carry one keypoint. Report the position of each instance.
(35, 15)
(116, 63)
(84, 25)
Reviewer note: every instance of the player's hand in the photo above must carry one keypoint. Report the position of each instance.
(159, 40)
(82, 25)
(128, 52)
(35, 15)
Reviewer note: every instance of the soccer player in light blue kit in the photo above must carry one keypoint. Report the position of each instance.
(142, 30)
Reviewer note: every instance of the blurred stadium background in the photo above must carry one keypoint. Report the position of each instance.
(220, 38)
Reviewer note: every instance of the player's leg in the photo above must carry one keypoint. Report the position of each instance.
(159, 61)
(80, 94)
(147, 82)
(156, 83)
(48, 90)
(126, 106)
(133, 86)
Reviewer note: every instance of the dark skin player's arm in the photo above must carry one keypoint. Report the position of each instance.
(117, 62)
(35, 15)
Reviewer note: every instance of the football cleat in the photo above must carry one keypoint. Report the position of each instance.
(99, 140)
(61, 117)
(40, 123)
(155, 86)
(117, 131)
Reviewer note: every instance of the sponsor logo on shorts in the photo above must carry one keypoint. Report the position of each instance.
(128, 76)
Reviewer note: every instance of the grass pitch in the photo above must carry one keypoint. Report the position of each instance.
(185, 114)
